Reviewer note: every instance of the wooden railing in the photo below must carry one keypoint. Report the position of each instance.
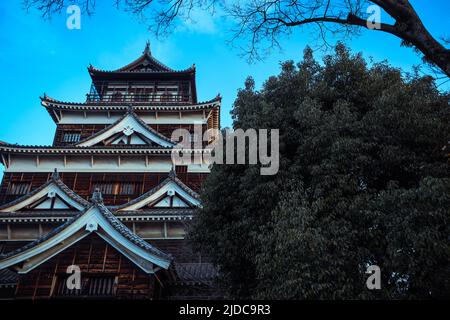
(153, 98)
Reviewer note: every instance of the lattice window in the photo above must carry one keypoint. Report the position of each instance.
(106, 187)
(92, 286)
(71, 137)
(19, 188)
(116, 188)
(127, 188)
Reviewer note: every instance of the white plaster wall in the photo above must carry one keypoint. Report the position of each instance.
(74, 117)
(100, 163)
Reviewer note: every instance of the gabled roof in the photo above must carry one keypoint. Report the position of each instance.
(146, 63)
(146, 59)
(170, 187)
(128, 125)
(52, 195)
(97, 218)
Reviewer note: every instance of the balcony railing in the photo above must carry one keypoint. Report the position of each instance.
(151, 98)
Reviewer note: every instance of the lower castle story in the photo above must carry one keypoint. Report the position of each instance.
(32, 226)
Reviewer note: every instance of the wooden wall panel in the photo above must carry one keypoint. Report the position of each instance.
(82, 183)
(87, 130)
(94, 257)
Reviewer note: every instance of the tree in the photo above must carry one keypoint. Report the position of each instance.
(267, 20)
(363, 181)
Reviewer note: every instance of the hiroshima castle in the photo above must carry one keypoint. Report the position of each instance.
(106, 198)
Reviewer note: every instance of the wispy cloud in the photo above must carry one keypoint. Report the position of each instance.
(200, 21)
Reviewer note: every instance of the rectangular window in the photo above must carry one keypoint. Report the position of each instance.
(71, 137)
(19, 188)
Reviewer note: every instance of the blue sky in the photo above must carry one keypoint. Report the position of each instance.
(40, 56)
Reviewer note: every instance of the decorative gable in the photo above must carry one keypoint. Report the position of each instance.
(172, 201)
(53, 201)
(171, 193)
(128, 130)
(53, 195)
(96, 219)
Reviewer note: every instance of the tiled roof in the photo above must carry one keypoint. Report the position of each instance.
(165, 212)
(52, 103)
(146, 57)
(127, 233)
(39, 213)
(8, 277)
(116, 149)
(196, 272)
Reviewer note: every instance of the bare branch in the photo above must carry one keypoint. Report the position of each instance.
(266, 21)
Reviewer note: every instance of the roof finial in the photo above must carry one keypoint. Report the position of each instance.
(55, 174)
(147, 48)
(97, 196)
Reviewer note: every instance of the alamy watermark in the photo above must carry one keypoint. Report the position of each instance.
(230, 147)
(73, 281)
(74, 19)
(374, 18)
(373, 282)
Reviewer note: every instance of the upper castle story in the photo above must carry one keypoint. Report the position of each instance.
(119, 138)
(145, 80)
(163, 98)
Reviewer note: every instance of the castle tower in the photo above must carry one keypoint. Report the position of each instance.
(106, 196)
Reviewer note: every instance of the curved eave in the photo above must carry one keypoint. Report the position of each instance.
(57, 105)
(82, 150)
(5, 149)
(95, 72)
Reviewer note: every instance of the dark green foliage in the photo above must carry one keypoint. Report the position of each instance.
(363, 180)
